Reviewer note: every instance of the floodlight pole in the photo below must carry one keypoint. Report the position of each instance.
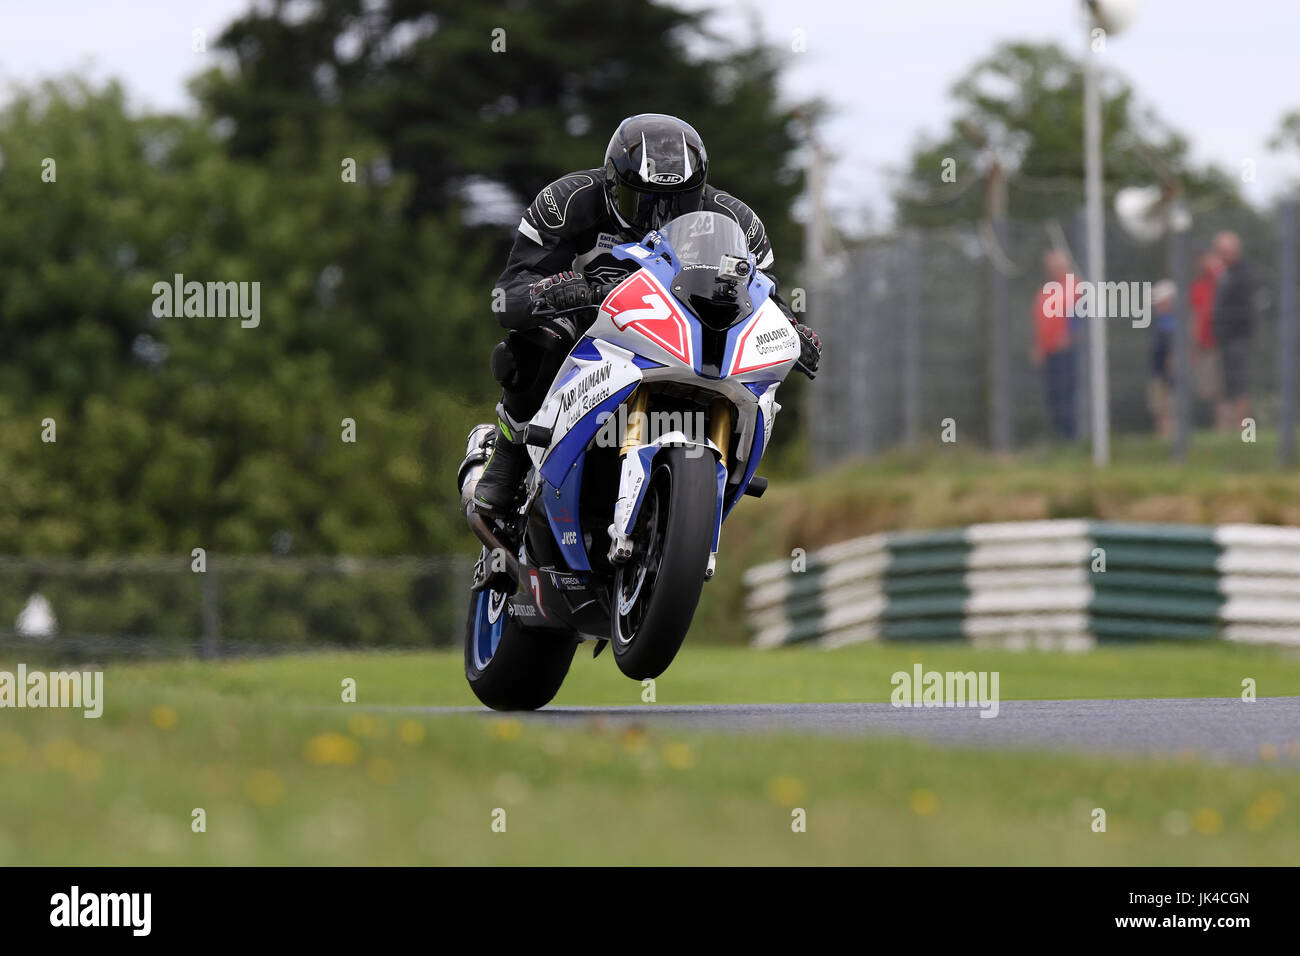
(1096, 228)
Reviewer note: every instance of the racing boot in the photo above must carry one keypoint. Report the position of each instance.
(498, 487)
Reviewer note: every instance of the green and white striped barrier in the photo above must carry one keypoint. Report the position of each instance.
(1063, 584)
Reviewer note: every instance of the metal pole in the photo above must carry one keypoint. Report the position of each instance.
(1182, 345)
(1082, 340)
(912, 341)
(1096, 254)
(863, 406)
(1001, 348)
(830, 393)
(211, 612)
(1286, 332)
(820, 403)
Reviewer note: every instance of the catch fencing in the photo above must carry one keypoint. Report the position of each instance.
(926, 325)
(161, 606)
(1050, 584)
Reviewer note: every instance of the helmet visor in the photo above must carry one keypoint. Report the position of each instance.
(645, 211)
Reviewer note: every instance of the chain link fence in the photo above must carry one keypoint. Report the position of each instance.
(926, 325)
(163, 607)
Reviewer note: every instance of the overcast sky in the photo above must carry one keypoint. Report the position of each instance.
(1222, 73)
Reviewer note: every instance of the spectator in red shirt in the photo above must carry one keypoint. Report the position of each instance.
(1053, 348)
(1205, 348)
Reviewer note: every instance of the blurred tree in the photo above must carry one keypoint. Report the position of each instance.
(175, 432)
(1022, 107)
(136, 201)
(1288, 131)
(480, 106)
(1287, 137)
(484, 104)
(374, 289)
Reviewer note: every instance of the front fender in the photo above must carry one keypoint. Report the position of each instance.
(639, 464)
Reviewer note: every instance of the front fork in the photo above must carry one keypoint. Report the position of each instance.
(632, 475)
(636, 456)
(720, 425)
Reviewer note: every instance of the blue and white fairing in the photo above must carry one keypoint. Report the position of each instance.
(644, 333)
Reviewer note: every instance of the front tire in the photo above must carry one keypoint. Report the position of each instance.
(508, 667)
(657, 590)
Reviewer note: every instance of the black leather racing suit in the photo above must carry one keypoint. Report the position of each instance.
(569, 226)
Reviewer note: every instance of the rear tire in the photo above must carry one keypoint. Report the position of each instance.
(508, 667)
(656, 592)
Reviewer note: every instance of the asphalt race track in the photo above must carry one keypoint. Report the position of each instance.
(1218, 728)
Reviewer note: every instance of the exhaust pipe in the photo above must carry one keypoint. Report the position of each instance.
(477, 452)
(483, 531)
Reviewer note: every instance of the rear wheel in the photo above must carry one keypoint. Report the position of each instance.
(508, 667)
(657, 590)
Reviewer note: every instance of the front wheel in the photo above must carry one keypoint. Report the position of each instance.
(508, 667)
(657, 590)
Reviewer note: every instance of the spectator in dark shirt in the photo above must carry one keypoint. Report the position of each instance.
(1234, 327)
(1160, 389)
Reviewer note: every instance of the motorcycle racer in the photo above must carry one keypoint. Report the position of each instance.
(655, 169)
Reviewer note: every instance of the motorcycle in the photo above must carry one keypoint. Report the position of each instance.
(651, 432)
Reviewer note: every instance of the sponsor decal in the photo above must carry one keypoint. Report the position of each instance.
(724, 202)
(771, 341)
(535, 585)
(577, 393)
(549, 209)
(777, 341)
(569, 582)
(522, 610)
(641, 304)
(606, 273)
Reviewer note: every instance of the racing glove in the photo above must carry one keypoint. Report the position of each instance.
(810, 348)
(562, 291)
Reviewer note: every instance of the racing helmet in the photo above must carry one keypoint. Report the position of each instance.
(655, 170)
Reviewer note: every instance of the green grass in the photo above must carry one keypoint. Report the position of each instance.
(288, 774)
(710, 674)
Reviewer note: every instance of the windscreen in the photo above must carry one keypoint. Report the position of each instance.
(703, 238)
